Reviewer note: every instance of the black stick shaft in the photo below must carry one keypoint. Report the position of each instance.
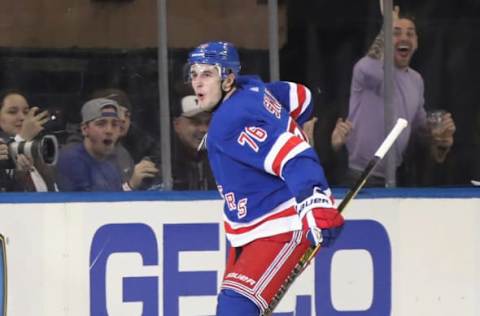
(352, 193)
(312, 251)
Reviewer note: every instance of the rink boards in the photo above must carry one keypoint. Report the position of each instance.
(163, 254)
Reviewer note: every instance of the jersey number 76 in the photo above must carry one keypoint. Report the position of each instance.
(251, 136)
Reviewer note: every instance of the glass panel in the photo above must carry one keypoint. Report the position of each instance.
(326, 39)
(192, 23)
(60, 54)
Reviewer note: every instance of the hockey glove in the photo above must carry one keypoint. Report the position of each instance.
(321, 220)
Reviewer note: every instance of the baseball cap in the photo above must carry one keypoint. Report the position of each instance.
(190, 106)
(92, 109)
(114, 94)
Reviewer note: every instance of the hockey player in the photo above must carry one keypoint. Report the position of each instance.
(277, 200)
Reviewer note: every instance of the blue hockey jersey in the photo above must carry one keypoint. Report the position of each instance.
(261, 160)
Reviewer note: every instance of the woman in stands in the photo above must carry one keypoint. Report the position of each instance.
(20, 123)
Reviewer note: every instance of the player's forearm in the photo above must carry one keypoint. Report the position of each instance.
(377, 48)
(302, 175)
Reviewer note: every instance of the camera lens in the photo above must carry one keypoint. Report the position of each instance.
(44, 149)
(48, 149)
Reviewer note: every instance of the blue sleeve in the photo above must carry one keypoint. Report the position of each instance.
(295, 98)
(283, 155)
(261, 140)
(304, 173)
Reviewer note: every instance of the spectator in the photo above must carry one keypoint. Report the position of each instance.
(86, 166)
(363, 132)
(191, 170)
(333, 154)
(137, 141)
(19, 122)
(135, 175)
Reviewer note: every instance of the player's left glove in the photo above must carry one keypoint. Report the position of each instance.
(321, 220)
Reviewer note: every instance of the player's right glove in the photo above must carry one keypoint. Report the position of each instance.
(320, 219)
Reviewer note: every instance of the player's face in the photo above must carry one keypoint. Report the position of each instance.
(206, 83)
(405, 42)
(100, 135)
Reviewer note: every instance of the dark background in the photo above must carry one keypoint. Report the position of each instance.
(325, 39)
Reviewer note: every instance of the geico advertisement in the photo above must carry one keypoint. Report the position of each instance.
(395, 257)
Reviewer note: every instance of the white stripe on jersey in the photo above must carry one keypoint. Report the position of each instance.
(278, 209)
(280, 153)
(269, 228)
(295, 98)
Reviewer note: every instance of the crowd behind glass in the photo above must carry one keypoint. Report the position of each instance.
(41, 97)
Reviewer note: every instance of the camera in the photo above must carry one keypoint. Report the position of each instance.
(56, 120)
(42, 149)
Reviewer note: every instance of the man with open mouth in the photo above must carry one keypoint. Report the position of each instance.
(364, 129)
(85, 166)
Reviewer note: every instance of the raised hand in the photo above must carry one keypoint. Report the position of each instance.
(396, 10)
(33, 123)
(340, 133)
(308, 129)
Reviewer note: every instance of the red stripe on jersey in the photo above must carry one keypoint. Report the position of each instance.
(285, 213)
(292, 126)
(301, 95)
(296, 130)
(283, 152)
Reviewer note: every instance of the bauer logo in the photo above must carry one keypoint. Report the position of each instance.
(134, 271)
(3, 277)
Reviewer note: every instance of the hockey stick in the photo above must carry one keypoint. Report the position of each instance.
(312, 251)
